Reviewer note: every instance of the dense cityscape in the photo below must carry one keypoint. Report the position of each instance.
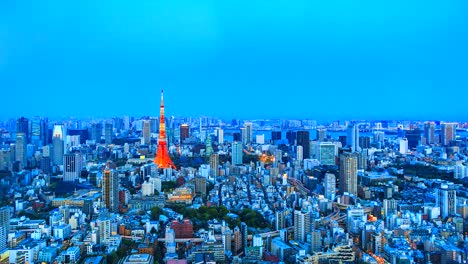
(204, 190)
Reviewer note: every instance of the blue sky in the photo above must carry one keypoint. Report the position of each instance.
(332, 59)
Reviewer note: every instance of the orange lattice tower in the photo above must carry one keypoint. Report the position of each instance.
(162, 159)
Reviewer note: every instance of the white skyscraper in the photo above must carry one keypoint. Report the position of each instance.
(299, 153)
(404, 146)
(301, 225)
(220, 136)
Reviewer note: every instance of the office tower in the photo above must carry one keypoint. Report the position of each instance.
(184, 132)
(352, 137)
(303, 140)
(329, 184)
(22, 126)
(58, 150)
(118, 123)
(326, 153)
(146, 132)
(447, 133)
(96, 132)
(414, 138)
(429, 132)
(4, 227)
(365, 142)
(362, 159)
(390, 207)
(236, 155)
(291, 137)
(110, 190)
(348, 173)
(20, 149)
(72, 166)
(275, 135)
(220, 133)
(247, 133)
(214, 164)
(280, 221)
(278, 157)
(315, 240)
(244, 235)
(446, 199)
(45, 139)
(321, 134)
(243, 133)
(299, 153)
(162, 159)
(403, 145)
(379, 136)
(36, 131)
(208, 146)
(108, 131)
(301, 225)
(154, 124)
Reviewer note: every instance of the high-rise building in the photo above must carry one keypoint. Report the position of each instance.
(244, 234)
(352, 137)
(299, 153)
(208, 146)
(446, 199)
(321, 134)
(146, 132)
(20, 149)
(237, 237)
(214, 163)
(72, 166)
(280, 221)
(95, 132)
(275, 135)
(362, 159)
(447, 133)
(110, 190)
(315, 240)
(326, 153)
(184, 132)
(390, 206)
(303, 140)
(291, 137)
(348, 172)
(429, 132)
(22, 126)
(108, 131)
(200, 185)
(162, 159)
(329, 183)
(36, 131)
(4, 227)
(247, 133)
(301, 225)
(236, 155)
(58, 150)
(404, 146)
(220, 134)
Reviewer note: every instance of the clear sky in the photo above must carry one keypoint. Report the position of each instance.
(329, 59)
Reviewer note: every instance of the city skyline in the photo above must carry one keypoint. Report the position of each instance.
(321, 61)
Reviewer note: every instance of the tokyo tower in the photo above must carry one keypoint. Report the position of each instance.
(162, 159)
